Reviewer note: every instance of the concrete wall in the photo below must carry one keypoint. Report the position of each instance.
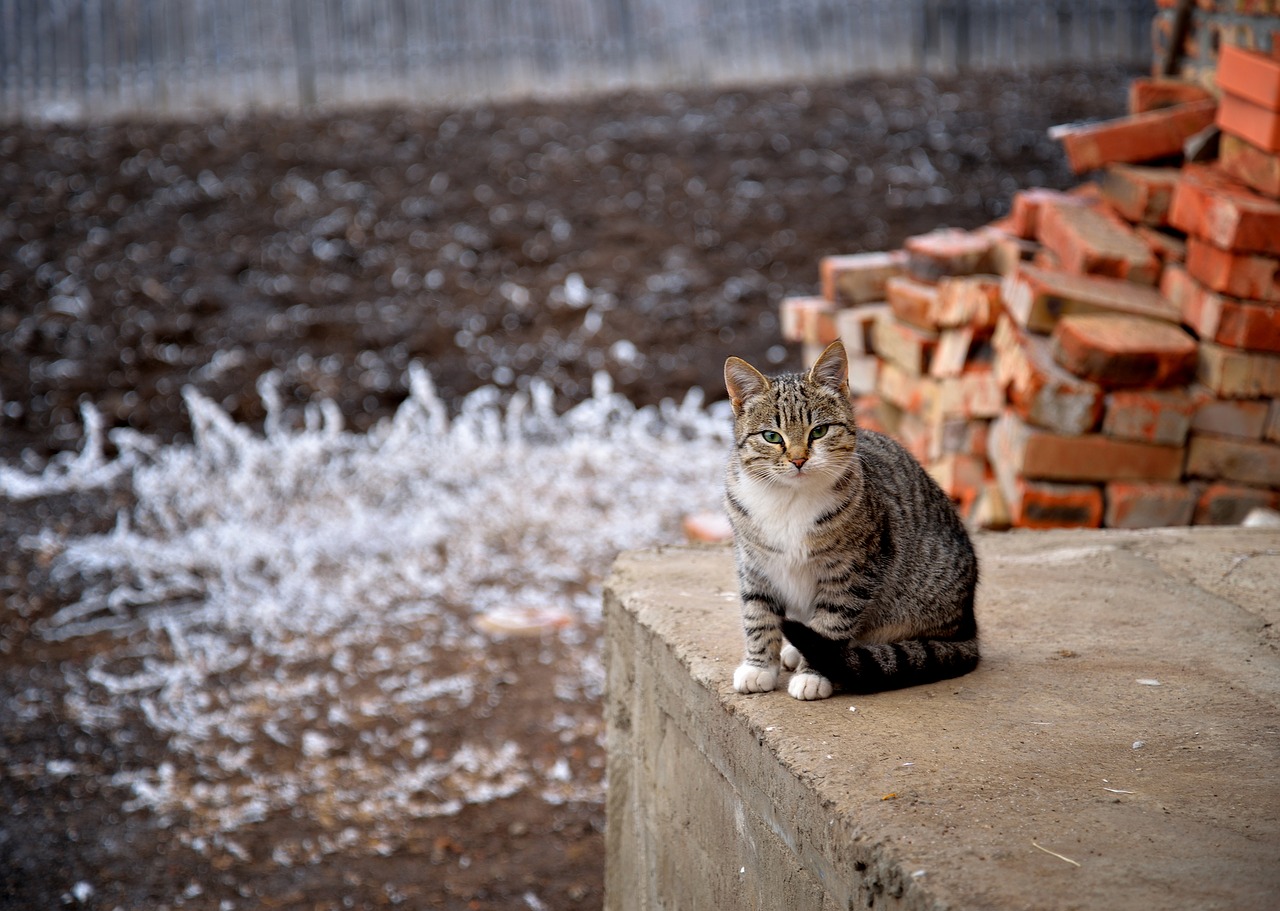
(953, 795)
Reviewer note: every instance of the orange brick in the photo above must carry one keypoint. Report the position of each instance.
(1246, 418)
(859, 278)
(952, 353)
(971, 301)
(913, 302)
(910, 348)
(1089, 241)
(1024, 214)
(810, 320)
(1211, 205)
(904, 390)
(1135, 138)
(948, 251)
(1036, 297)
(1161, 416)
(1039, 390)
(854, 326)
(1148, 504)
(1230, 373)
(1250, 122)
(1249, 75)
(1166, 247)
(1228, 504)
(1154, 94)
(1247, 275)
(975, 393)
(1044, 504)
(1034, 453)
(1232, 459)
(1118, 351)
(1178, 287)
(960, 477)
(1250, 165)
(1140, 194)
(1251, 325)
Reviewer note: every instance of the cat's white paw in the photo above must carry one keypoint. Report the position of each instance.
(790, 657)
(809, 686)
(749, 678)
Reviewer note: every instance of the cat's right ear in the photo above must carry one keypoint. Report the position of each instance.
(742, 381)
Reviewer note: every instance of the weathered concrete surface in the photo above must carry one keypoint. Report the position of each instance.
(936, 797)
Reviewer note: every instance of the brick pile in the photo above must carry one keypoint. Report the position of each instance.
(1108, 356)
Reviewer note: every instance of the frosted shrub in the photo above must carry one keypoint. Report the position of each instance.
(292, 592)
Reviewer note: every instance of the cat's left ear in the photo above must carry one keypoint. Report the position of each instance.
(832, 369)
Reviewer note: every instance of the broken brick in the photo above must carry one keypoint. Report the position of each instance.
(948, 251)
(810, 320)
(859, 278)
(1166, 247)
(970, 301)
(1148, 504)
(1135, 138)
(1232, 459)
(1036, 298)
(1247, 275)
(1212, 206)
(1118, 351)
(952, 352)
(1228, 504)
(1231, 373)
(1161, 416)
(1140, 194)
(905, 345)
(1089, 241)
(1024, 213)
(854, 326)
(1250, 165)
(1251, 325)
(1039, 390)
(913, 302)
(1154, 94)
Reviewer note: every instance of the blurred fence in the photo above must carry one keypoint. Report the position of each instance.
(95, 58)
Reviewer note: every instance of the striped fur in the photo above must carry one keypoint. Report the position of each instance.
(844, 544)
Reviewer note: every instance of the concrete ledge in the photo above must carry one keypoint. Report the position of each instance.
(937, 797)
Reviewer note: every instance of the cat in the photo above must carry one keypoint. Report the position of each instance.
(844, 545)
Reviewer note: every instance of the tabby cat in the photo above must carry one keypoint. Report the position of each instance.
(844, 545)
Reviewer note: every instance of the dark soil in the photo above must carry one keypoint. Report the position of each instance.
(645, 235)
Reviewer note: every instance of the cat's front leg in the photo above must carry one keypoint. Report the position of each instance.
(806, 684)
(762, 625)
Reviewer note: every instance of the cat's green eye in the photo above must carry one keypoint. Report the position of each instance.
(818, 432)
(772, 436)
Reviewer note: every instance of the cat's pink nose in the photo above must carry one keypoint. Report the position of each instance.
(799, 463)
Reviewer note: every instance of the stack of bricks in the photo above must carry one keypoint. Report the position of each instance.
(1104, 357)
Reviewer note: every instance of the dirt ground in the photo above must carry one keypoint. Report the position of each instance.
(645, 235)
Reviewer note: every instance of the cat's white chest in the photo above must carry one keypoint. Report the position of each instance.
(784, 519)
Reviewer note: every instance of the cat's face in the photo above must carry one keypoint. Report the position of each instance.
(796, 429)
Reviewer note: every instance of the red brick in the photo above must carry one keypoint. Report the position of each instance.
(1147, 504)
(910, 348)
(1140, 194)
(1249, 75)
(948, 251)
(1250, 122)
(1135, 138)
(1211, 205)
(1178, 287)
(960, 477)
(1039, 390)
(1166, 247)
(913, 302)
(1118, 351)
(1250, 165)
(1272, 429)
(1231, 373)
(810, 320)
(1045, 504)
(958, 436)
(1232, 459)
(1043, 455)
(1154, 94)
(952, 353)
(1228, 504)
(854, 326)
(971, 301)
(973, 394)
(1251, 325)
(1089, 241)
(859, 278)
(1247, 275)
(1161, 416)
(1036, 297)
(903, 390)
(1024, 214)
(1009, 251)
(1246, 418)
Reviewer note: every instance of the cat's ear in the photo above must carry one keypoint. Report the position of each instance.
(742, 381)
(832, 369)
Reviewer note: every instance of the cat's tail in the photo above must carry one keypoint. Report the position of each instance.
(887, 666)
